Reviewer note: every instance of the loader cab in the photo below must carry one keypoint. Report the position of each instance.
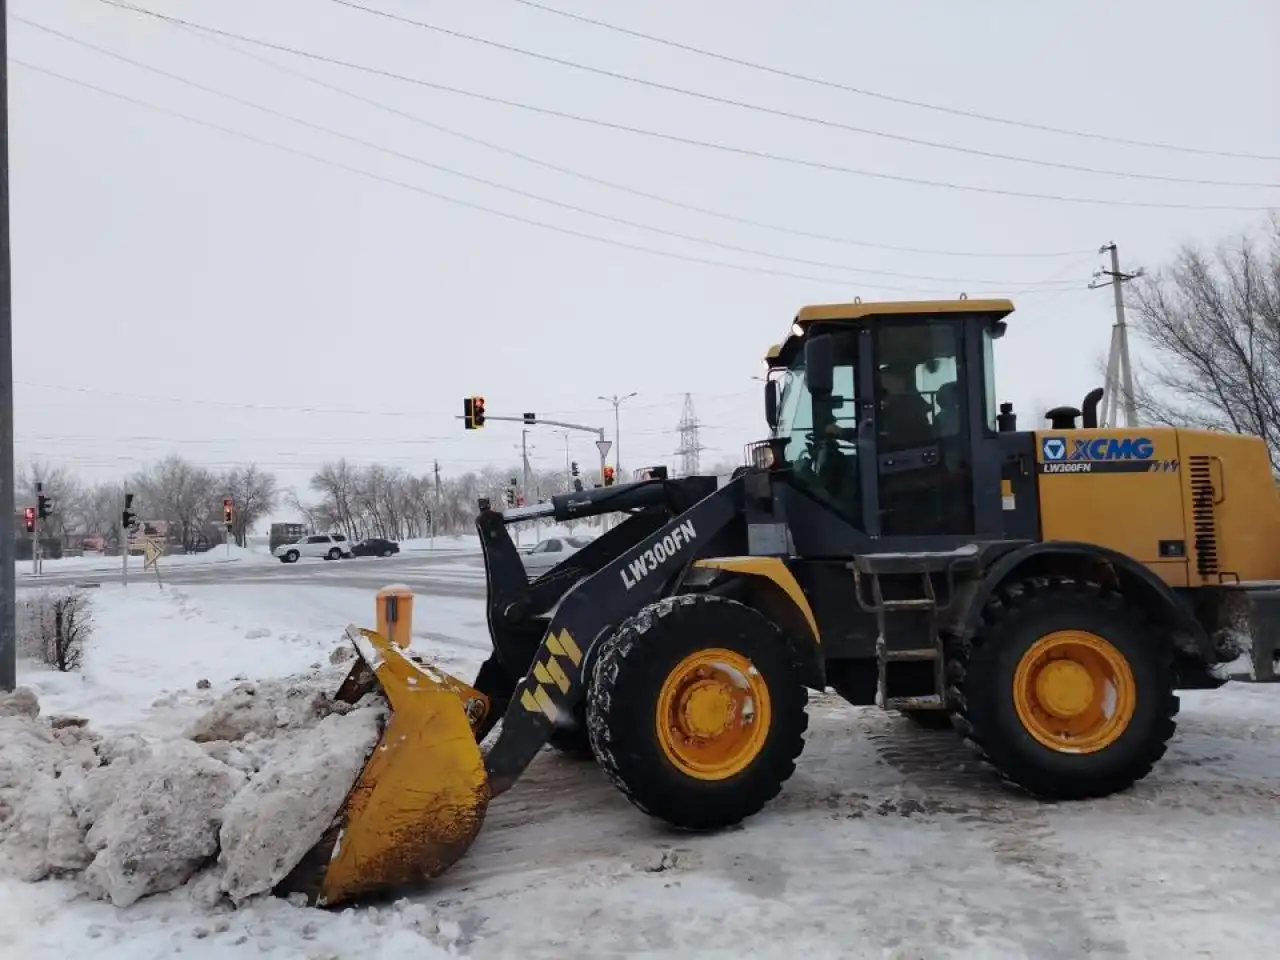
(886, 426)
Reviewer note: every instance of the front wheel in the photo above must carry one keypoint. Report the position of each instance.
(695, 711)
(1068, 691)
(334, 554)
(386, 553)
(291, 556)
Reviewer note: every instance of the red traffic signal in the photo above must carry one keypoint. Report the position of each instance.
(608, 476)
(226, 510)
(30, 516)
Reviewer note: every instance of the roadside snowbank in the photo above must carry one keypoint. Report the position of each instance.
(98, 561)
(230, 807)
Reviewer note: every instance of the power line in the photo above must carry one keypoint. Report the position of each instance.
(791, 115)
(674, 138)
(892, 98)
(451, 171)
(331, 411)
(842, 282)
(610, 184)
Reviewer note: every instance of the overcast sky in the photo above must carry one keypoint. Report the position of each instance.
(177, 288)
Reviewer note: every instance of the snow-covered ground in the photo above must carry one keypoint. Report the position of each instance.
(97, 561)
(888, 842)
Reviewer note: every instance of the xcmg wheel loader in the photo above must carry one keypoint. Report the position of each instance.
(897, 539)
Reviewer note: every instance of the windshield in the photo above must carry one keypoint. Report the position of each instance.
(825, 464)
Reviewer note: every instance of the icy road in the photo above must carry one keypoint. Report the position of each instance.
(888, 842)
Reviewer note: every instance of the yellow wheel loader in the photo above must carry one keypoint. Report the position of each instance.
(897, 539)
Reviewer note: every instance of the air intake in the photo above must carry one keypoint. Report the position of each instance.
(1202, 513)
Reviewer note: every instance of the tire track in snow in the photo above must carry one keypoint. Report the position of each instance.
(1069, 922)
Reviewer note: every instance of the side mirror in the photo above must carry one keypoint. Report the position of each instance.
(819, 365)
(771, 405)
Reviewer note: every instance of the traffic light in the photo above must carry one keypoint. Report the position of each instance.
(469, 413)
(608, 476)
(226, 511)
(127, 516)
(577, 480)
(477, 412)
(45, 506)
(30, 513)
(511, 496)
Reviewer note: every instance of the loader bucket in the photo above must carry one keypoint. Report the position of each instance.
(418, 803)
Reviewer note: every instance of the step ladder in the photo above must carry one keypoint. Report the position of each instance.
(900, 638)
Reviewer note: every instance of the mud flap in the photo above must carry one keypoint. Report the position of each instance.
(418, 804)
(1263, 606)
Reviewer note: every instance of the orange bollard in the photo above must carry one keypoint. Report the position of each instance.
(395, 614)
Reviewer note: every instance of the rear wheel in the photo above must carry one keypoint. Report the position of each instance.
(695, 712)
(335, 554)
(1068, 692)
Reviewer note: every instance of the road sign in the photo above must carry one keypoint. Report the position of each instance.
(150, 547)
(603, 446)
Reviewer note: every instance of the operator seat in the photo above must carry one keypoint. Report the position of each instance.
(946, 422)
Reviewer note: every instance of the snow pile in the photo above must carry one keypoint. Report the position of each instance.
(230, 807)
(288, 806)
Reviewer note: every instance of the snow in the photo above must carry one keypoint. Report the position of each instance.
(98, 561)
(288, 806)
(162, 824)
(889, 841)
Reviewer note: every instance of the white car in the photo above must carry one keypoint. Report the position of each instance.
(547, 553)
(326, 546)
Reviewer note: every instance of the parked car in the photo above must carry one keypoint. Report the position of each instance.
(327, 546)
(551, 551)
(374, 547)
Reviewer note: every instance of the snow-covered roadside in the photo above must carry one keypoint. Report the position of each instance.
(131, 777)
(93, 562)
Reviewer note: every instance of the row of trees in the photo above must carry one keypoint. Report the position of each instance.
(185, 495)
(360, 501)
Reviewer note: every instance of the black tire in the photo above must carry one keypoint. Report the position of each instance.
(625, 691)
(386, 553)
(929, 719)
(291, 556)
(982, 676)
(334, 554)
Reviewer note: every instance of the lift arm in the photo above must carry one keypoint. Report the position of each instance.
(593, 607)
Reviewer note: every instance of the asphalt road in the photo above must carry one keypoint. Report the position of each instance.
(447, 574)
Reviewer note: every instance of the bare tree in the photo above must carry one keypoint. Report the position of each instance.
(183, 494)
(253, 494)
(100, 509)
(61, 486)
(1213, 324)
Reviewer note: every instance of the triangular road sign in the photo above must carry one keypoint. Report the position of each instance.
(603, 446)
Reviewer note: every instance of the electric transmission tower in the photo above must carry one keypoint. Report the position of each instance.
(690, 450)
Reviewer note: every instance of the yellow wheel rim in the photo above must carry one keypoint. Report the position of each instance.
(713, 714)
(1074, 692)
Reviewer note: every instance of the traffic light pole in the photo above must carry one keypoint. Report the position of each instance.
(8, 536)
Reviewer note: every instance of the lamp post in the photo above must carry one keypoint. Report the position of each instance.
(617, 428)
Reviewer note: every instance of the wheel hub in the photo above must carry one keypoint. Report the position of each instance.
(1065, 689)
(706, 709)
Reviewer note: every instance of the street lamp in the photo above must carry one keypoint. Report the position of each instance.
(617, 428)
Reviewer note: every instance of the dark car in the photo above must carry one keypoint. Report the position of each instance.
(375, 547)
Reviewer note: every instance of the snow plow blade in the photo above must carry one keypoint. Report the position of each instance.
(417, 805)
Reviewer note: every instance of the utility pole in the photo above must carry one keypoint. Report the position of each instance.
(8, 544)
(1118, 388)
(435, 469)
(617, 429)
